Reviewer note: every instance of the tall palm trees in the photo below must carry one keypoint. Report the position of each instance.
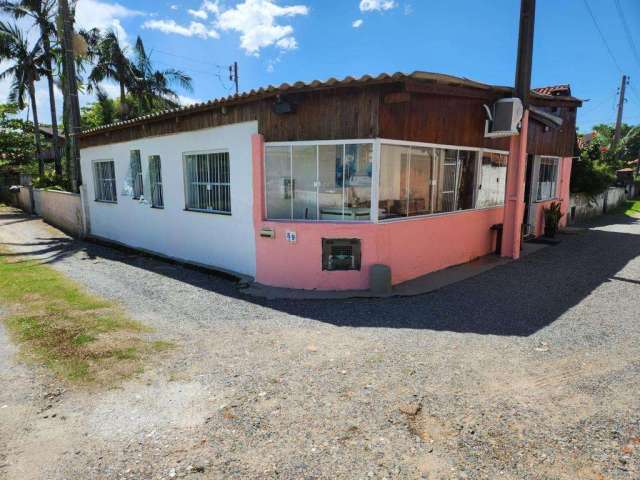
(112, 64)
(151, 87)
(27, 67)
(42, 13)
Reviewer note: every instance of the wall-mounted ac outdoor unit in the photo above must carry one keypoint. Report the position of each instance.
(503, 118)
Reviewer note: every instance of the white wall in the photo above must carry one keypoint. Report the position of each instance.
(223, 241)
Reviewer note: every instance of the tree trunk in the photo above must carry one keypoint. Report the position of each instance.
(46, 45)
(123, 102)
(71, 91)
(36, 128)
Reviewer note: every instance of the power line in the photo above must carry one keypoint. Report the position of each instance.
(604, 40)
(627, 31)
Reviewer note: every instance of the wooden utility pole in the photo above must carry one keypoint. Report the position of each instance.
(525, 50)
(617, 132)
(71, 93)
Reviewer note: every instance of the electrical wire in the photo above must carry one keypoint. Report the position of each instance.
(627, 32)
(604, 39)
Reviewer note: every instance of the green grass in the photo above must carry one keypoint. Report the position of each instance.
(630, 208)
(81, 337)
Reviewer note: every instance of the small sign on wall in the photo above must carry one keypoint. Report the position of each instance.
(291, 236)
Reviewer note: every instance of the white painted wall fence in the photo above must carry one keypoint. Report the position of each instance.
(582, 207)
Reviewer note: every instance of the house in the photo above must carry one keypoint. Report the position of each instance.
(308, 185)
(48, 154)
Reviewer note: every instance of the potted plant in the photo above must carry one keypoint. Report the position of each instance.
(552, 216)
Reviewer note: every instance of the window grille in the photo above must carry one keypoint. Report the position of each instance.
(547, 179)
(155, 181)
(105, 181)
(136, 174)
(208, 187)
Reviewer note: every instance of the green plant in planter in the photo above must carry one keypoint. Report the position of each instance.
(552, 216)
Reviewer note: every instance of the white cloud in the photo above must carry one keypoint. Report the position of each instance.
(105, 16)
(194, 29)
(173, 7)
(377, 5)
(357, 23)
(184, 100)
(256, 21)
(408, 9)
(198, 14)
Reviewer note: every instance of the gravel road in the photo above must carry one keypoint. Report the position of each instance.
(528, 371)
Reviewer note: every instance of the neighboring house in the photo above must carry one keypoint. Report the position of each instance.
(309, 185)
(48, 154)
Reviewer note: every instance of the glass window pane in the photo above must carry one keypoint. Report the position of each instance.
(447, 162)
(393, 194)
(305, 176)
(467, 164)
(278, 182)
(420, 181)
(330, 177)
(492, 179)
(357, 181)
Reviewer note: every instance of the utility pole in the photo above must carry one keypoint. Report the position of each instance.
(233, 75)
(525, 51)
(71, 93)
(617, 132)
(514, 208)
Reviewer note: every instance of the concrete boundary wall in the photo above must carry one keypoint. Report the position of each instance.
(582, 207)
(61, 209)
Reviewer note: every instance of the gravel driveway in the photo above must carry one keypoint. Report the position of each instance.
(528, 371)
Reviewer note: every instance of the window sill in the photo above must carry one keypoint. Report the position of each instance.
(210, 212)
(553, 199)
(108, 202)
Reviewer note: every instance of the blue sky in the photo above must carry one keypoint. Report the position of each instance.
(277, 41)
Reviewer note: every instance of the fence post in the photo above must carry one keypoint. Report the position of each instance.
(85, 228)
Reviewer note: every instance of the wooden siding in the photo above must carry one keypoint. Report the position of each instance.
(426, 112)
(560, 142)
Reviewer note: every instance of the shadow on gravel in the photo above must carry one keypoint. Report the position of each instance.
(516, 299)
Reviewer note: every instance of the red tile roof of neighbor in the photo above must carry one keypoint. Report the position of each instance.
(554, 90)
(284, 88)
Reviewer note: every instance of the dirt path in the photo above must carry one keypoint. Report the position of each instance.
(530, 371)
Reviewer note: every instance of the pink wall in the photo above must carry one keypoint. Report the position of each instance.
(410, 247)
(563, 192)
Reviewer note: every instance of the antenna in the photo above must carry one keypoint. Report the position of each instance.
(233, 74)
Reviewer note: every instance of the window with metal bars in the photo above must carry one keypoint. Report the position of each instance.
(207, 182)
(135, 165)
(105, 181)
(155, 181)
(547, 178)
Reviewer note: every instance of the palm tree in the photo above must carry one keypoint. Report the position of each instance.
(152, 88)
(112, 63)
(24, 73)
(42, 12)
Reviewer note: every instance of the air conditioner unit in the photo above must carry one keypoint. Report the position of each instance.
(503, 118)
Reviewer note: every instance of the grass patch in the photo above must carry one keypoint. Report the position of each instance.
(630, 208)
(81, 337)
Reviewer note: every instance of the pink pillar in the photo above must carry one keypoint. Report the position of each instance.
(514, 204)
(257, 154)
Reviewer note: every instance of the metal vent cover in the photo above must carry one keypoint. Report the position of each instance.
(341, 254)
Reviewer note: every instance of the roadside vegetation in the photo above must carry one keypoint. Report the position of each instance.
(80, 337)
(631, 208)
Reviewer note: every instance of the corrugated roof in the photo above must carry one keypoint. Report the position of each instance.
(427, 77)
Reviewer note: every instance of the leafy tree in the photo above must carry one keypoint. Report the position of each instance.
(101, 112)
(17, 144)
(25, 71)
(42, 13)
